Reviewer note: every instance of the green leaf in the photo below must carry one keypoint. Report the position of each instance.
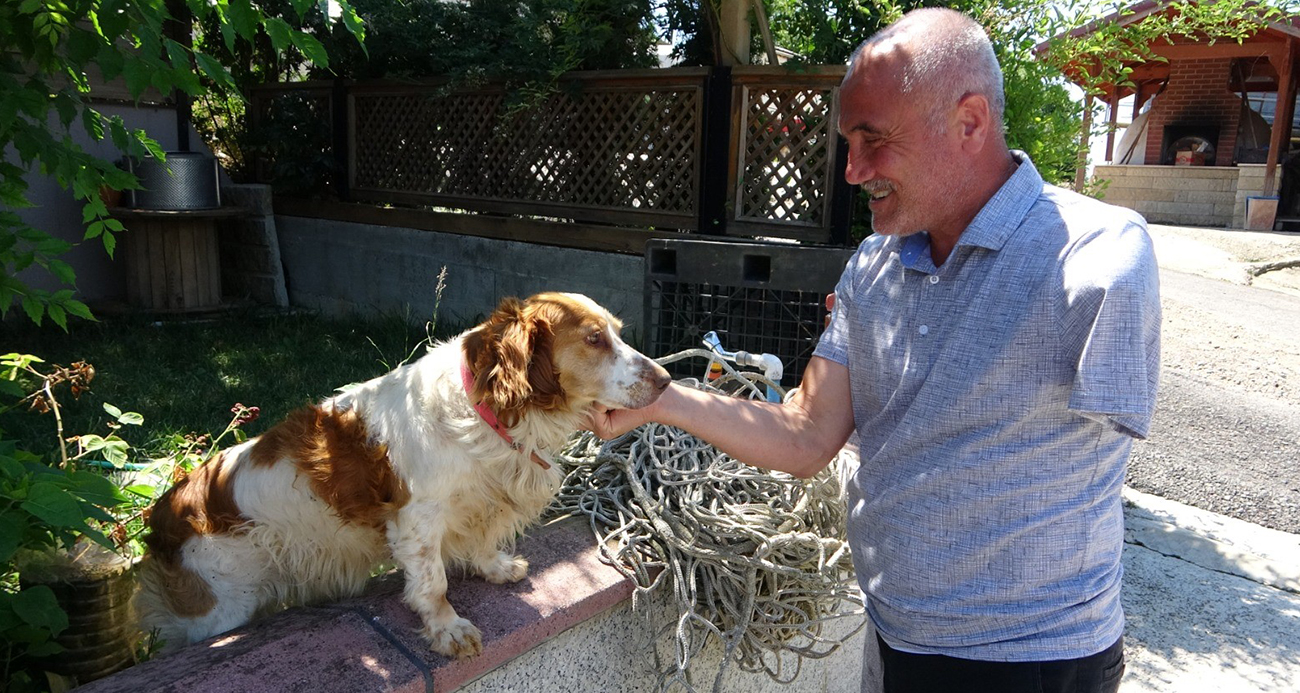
(53, 505)
(63, 271)
(117, 128)
(243, 19)
(57, 314)
(355, 25)
(94, 512)
(142, 490)
(99, 538)
(78, 309)
(12, 468)
(13, 525)
(8, 387)
(115, 451)
(215, 70)
(280, 32)
(34, 309)
(131, 418)
(112, 410)
(177, 55)
(66, 107)
(91, 442)
(82, 46)
(38, 607)
(311, 48)
(137, 75)
(96, 488)
(302, 6)
(150, 145)
(110, 243)
(44, 649)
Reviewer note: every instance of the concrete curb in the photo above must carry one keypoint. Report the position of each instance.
(1212, 541)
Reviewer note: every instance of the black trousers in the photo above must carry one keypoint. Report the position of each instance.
(905, 672)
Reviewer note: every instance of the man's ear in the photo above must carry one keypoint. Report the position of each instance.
(975, 122)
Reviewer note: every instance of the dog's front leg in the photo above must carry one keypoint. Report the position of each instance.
(416, 542)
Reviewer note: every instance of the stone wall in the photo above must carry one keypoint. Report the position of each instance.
(1249, 184)
(250, 248)
(340, 267)
(1183, 195)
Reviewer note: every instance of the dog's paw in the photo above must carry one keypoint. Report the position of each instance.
(504, 568)
(458, 638)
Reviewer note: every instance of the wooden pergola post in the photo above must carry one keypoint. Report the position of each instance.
(1081, 168)
(1139, 98)
(1111, 124)
(1283, 113)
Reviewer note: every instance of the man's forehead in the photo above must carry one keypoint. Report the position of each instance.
(870, 89)
(880, 66)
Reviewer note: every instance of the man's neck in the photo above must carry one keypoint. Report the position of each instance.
(988, 179)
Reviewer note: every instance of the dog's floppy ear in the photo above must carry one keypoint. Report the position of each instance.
(511, 356)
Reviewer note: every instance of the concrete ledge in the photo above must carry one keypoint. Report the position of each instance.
(1219, 543)
(371, 643)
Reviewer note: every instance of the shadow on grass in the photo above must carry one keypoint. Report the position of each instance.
(184, 377)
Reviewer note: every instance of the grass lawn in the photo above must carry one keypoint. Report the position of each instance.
(185, 377)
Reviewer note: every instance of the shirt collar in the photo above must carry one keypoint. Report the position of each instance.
(1002, 214)
(992, 226)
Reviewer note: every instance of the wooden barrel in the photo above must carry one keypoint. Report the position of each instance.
(171, 258)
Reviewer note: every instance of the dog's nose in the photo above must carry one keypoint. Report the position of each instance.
(660, 378)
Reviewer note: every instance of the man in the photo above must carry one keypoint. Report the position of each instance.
(994, 350)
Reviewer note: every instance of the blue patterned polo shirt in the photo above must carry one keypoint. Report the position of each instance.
(996, 399)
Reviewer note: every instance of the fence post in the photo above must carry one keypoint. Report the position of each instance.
(843, 197)
(715, 161)
(340, 141)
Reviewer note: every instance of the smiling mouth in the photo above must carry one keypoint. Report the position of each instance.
(879, 192)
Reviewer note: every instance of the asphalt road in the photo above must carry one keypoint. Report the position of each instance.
(1226, 434)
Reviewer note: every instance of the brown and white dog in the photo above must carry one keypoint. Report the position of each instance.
(440, 462)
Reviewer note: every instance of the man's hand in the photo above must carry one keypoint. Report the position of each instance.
(610, 423)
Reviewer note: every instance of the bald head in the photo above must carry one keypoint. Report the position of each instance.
(941, 56)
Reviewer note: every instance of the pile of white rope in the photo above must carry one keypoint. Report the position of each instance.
(757, 559)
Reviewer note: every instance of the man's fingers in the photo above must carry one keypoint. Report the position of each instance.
(600, 421)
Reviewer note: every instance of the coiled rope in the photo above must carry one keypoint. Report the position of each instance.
(757, 559)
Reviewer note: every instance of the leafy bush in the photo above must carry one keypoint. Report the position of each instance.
(44, 505)
(50, 49)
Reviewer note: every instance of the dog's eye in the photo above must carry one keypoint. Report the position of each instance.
(594, 339)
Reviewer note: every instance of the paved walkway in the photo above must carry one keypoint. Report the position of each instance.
(1213, 603)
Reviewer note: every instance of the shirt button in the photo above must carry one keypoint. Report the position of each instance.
(923, 329)
(934, 279)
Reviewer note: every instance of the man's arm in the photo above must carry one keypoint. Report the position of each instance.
(799, 437)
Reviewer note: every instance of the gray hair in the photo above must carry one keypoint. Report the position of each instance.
(951, 57)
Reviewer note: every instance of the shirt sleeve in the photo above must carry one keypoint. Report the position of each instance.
(834, 342)
(1112, 288)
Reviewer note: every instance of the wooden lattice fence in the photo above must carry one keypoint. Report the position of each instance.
(749, 152)
(786, 151)
(617, 149)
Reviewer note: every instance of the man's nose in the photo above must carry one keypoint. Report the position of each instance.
(858, 170)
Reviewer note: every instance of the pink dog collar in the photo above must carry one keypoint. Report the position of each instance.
(490, 418)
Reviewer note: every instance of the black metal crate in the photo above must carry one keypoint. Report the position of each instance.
(757, 297)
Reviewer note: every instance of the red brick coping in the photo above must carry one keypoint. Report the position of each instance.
(371, 643)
